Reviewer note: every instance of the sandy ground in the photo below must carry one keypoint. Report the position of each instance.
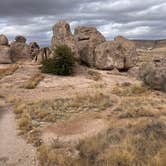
(14, 151)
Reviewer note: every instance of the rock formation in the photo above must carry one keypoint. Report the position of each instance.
(43, 54)
(5, 52)
(154, 74)
(19, 49)
(34, 49)
(120, 54)
(87, 38)
(3, 40)
(62, 35)
(20, 39)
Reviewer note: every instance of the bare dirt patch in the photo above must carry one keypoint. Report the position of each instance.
(13, 149)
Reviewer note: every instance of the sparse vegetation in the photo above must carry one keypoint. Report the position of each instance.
(139, 143)
(33, 81)
(61, 64)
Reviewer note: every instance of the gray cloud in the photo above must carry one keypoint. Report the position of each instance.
(35, 18)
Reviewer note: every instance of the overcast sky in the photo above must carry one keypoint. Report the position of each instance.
(136, 19)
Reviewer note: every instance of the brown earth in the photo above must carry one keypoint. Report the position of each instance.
(79, 126)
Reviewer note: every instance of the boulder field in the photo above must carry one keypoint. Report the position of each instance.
(87, 43)
(91, 48)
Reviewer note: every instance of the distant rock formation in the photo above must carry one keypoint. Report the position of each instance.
(5, 52)
(62, 35)
(43, 54)
(20, 39)
(19, 49)
(87, 39)
(3, 40)
(149, 44)
(34, 49)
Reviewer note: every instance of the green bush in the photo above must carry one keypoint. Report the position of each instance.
(62, 62)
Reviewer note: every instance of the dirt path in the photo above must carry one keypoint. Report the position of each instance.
(14, 151)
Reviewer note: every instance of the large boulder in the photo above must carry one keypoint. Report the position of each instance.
(120, 54)
(87, 38)
(62, 36)
(20, 50)
(154, 74)
(5, 55)
(3, 40)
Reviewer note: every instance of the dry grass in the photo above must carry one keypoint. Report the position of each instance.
(33, 81)
(128, 89)
(94, 75)
(8, 71)
(139, 140)
(141, 144)
(30, 115)
(139, 101)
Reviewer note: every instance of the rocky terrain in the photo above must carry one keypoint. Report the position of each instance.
(111, 111)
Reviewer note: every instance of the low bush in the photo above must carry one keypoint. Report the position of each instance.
(62, 62)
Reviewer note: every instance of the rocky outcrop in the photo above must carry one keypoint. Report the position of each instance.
(3, 40)
(87, 38)
(120, 54)
(34, 49)
(154, 74)
(5, 55)
(20, 39)
(43, 54)
(5, 52)
(62, 35)
(19, 49)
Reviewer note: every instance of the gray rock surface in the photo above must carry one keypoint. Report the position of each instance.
(62, 35)
(154, 74)
(120, 54)
(87, 38)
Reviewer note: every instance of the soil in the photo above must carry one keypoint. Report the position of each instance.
(14, 151)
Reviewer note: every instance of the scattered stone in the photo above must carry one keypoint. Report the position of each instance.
(87, 39)
(62, 35)
(4, 40)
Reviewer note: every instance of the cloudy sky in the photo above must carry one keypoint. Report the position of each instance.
(135, 19)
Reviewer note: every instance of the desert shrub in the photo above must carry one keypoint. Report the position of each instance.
(62, 62)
